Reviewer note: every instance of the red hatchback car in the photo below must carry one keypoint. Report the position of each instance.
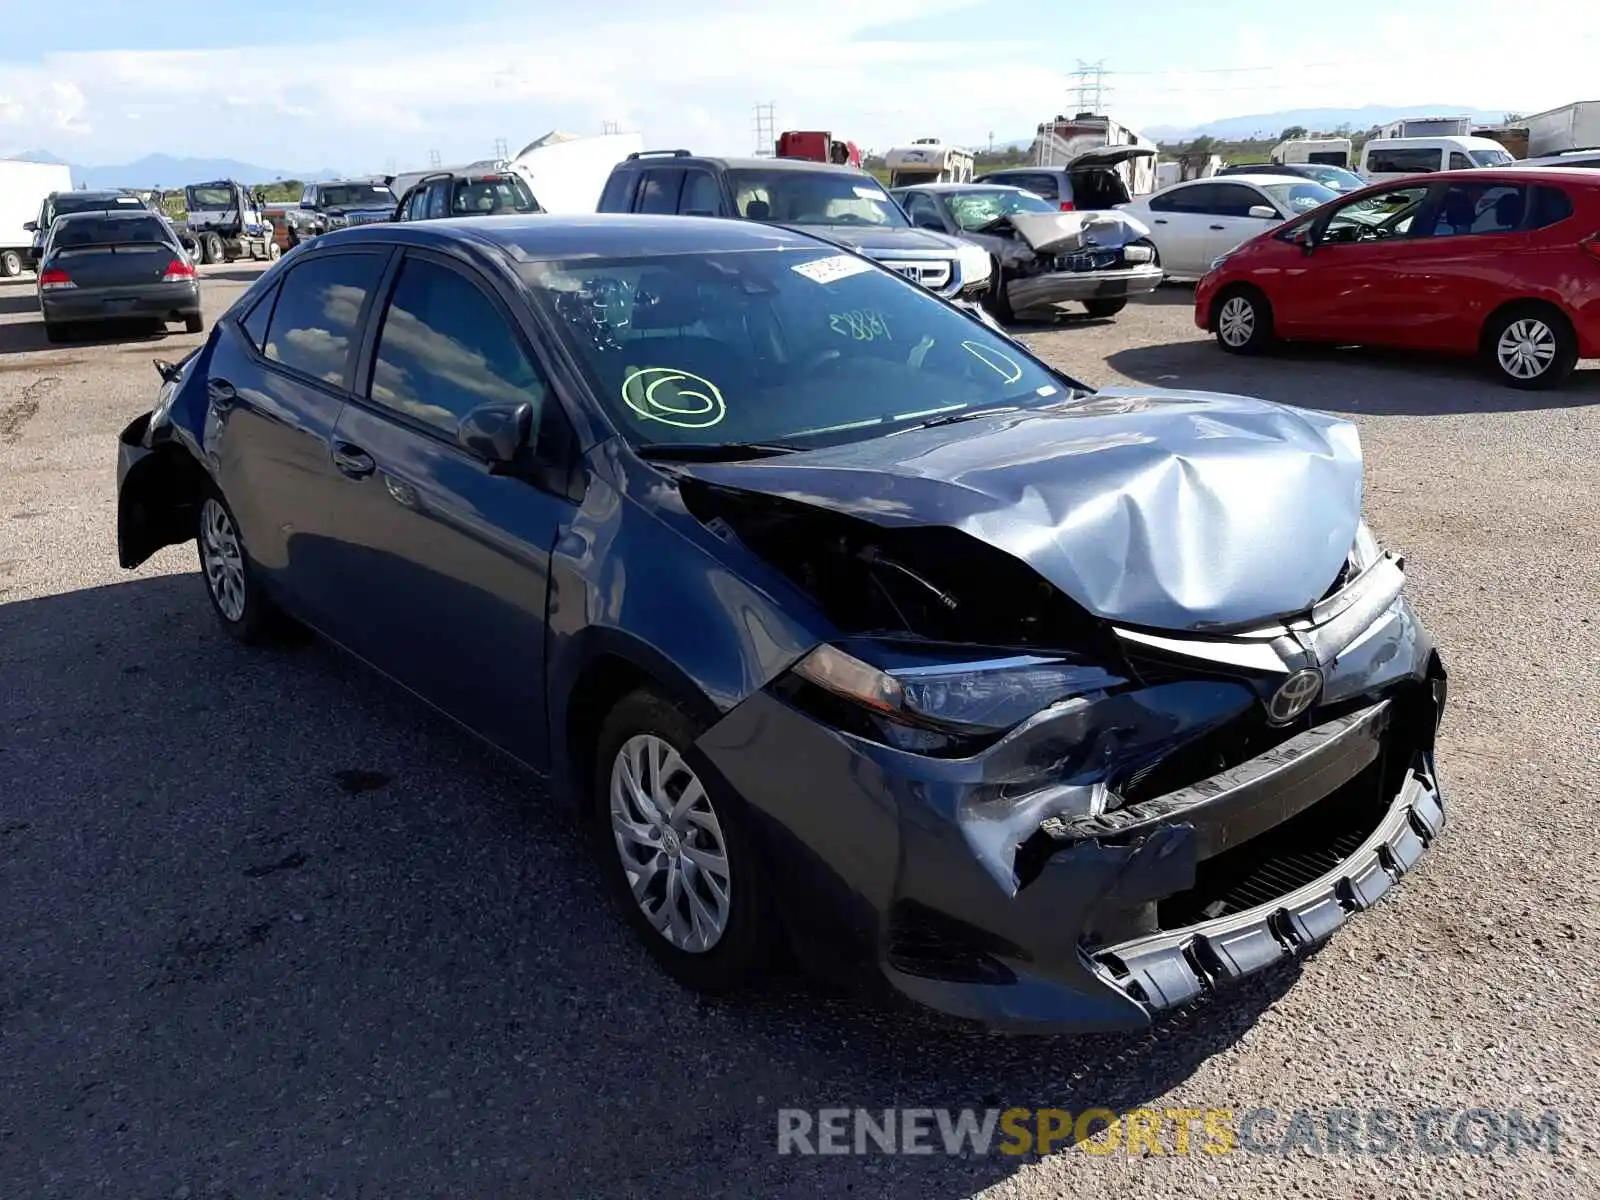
(1504, 263)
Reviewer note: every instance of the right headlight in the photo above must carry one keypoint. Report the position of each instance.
(987, 696)
(1365, 551)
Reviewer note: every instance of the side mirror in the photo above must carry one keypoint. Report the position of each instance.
(1303, 239)
(168, 371)
(496, 433)
(1264, 211)
(30, 226)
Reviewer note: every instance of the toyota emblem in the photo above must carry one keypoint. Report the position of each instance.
(1296, 694)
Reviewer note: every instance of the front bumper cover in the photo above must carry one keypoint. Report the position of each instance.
(1060, 287)
(992, 887)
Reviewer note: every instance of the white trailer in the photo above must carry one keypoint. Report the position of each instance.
(1333, 152)
(1056, 143)
(567, 173)
(928, 160)
(23, 187)
(1570, 127)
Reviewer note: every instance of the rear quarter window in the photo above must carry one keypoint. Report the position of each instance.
(1547, 205)
(618, 192)
(314, 324)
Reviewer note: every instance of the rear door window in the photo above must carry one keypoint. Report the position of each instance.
(1040, 184)
(1547, 205)
(255, 321)
(1467, 208)
(658, 193)
(438, 199)
(701, 196)
(1404, 160)
(315, 322)
(619, 190)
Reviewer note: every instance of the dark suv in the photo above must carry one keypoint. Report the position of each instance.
(466, 194)
(1089, 182)
(842, 204)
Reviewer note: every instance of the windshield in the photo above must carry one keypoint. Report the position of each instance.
(1490, 158)
(804, 348)
(492, 194)
(208, 199)
(77, 204)
(348, 195)
(794, 197)
(1336, 178)
(1299, 197)
(82, 231)
(975, 209)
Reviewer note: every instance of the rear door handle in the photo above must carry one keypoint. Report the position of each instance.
(221, 393)
(1160, 221)
(353, 460)
(1219, 227)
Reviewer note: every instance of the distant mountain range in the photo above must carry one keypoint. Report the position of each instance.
(1269, 125)
(163, 170)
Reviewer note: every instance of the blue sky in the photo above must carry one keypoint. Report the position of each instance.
(361, 84)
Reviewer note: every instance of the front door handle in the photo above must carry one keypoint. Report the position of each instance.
(1159, 221)
(353, 460)
(221, 393)
(1219, 228)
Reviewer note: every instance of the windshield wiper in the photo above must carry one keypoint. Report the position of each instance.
(969, 414)
(711, 451)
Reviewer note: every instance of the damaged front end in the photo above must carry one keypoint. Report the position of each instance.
(1023, 813)
(1053, 258)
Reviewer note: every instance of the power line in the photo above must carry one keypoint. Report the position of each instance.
(1091, 85)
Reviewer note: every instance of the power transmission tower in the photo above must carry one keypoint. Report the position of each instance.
(501, 150)
(610, 127)
(433, 158)
(766, 125)
(991, 141)
(1091, 85)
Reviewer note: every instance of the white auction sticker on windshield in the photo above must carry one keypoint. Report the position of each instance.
(867, 193)
(834, 267)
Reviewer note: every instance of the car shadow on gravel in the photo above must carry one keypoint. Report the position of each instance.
(264, 903)
(233, 274)
(24, 337)
(18, 300)
(1349, 379)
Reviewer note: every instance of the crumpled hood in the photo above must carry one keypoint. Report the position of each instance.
(877, 241)
(1051, 233)
(1164, 509)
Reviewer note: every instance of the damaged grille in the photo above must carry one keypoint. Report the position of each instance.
(367, 218)
(1088, 260)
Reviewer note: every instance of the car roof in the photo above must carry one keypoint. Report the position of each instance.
(958, 187)
(1025, 170)
(1264, 177)
(92, 193)
(668, 158)
(624, 235)
(110, 214)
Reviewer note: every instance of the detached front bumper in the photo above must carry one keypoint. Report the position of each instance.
(987, 888)
(1061, 287)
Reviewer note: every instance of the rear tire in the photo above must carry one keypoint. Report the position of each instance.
(675, 849)
(10, 264)
(55, 331)
(1530, 346)
(194, 323)
(211, 249)
(1243, 321)
(243, 609)
(1105, 308)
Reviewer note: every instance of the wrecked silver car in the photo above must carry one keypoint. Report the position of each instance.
(1042, 257)
(845, 622)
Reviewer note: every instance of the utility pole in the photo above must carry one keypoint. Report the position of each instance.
(991, 142)
(766, 125)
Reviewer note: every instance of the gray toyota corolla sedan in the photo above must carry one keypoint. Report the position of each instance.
(844, 622)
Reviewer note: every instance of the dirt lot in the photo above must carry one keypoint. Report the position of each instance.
(268, 927)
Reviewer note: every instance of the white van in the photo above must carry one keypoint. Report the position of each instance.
(1332, 152)
(1392, 158)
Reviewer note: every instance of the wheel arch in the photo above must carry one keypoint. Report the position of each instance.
(158, 502)
(1530, 304)
(1235, 288)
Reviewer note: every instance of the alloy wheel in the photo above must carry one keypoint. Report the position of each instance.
(1236, 323)
(671, 844)
(223, 559)
(1526, 349)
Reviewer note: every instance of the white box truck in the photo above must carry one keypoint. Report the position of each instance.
(23, 187)
(1570, 127)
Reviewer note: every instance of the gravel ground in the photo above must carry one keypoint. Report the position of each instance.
(270, 928)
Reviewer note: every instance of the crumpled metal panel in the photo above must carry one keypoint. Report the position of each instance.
(1056, 233)
(1168, 509)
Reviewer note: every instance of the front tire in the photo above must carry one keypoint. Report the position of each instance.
(245, 612)
(10, 264)
(1531, 347)
(675, 850)
(1105, 308)
(995, 299)
(1243, 321)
